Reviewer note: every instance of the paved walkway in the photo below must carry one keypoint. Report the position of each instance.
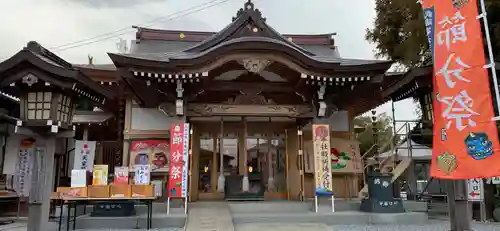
(209, 216)
(431, 226)
(282, 227)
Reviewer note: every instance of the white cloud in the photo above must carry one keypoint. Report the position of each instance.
(56, 22)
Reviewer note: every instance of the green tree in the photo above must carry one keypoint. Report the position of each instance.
(399, 31)
(385, 132)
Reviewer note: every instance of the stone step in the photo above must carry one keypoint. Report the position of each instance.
(209, 216)
(336, 218)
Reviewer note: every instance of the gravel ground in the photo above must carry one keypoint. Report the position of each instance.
(434, 226)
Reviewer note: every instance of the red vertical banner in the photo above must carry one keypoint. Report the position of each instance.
(465, 141)
(176, 160)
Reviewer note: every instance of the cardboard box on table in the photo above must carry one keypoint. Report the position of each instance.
(143, 190)
(120, 190)
(98, 191)
(71, 192)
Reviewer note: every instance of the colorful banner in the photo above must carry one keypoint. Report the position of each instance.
(154, 152)
(322, 160)
(179, 160)
(84, 155)
(465, 142)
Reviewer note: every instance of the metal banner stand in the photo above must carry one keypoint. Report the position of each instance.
(491, 65)
(185, 205)
(333, 203)
(316, 204)
(168, 205)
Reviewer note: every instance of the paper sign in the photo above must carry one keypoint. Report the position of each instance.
(100, 175)
(495, 180)
(475, 189)
(84, 154)
(158, 187)
(142, 174)
(121, 175)
(78, 178)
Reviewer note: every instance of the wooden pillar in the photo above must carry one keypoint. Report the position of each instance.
(221, 180)
(241, 151)
(293, 174)
(270, 171)
(245, 182)
(300, 164)
(195, 166)
(214, 170)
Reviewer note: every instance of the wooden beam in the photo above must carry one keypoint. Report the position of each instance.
(293, 111)
(237, 86)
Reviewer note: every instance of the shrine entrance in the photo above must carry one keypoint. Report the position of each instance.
(240, 158)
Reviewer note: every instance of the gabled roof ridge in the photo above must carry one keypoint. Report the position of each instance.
(243, 16)
(187, 32)
(141, 30)
(38, 49)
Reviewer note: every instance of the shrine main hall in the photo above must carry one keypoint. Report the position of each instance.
(249, 93)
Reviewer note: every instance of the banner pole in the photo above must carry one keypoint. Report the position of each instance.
(168, 205)
(333, 203)
(316, 204)
(185, 205)
(490, 56)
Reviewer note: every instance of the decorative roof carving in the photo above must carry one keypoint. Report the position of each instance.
(30, 79)
(254, 65)
(250, 97)
(248, 6)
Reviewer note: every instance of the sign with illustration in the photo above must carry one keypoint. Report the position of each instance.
(152, 152)
(345, 156)
(84, 155)
(179, 160)
(121, 175)
(465, 136)
(475, 189)
(322, 160)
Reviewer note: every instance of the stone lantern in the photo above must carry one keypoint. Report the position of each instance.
(43, 106)
(47, 89)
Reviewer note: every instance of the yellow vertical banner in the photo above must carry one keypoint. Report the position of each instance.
(322, 160)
